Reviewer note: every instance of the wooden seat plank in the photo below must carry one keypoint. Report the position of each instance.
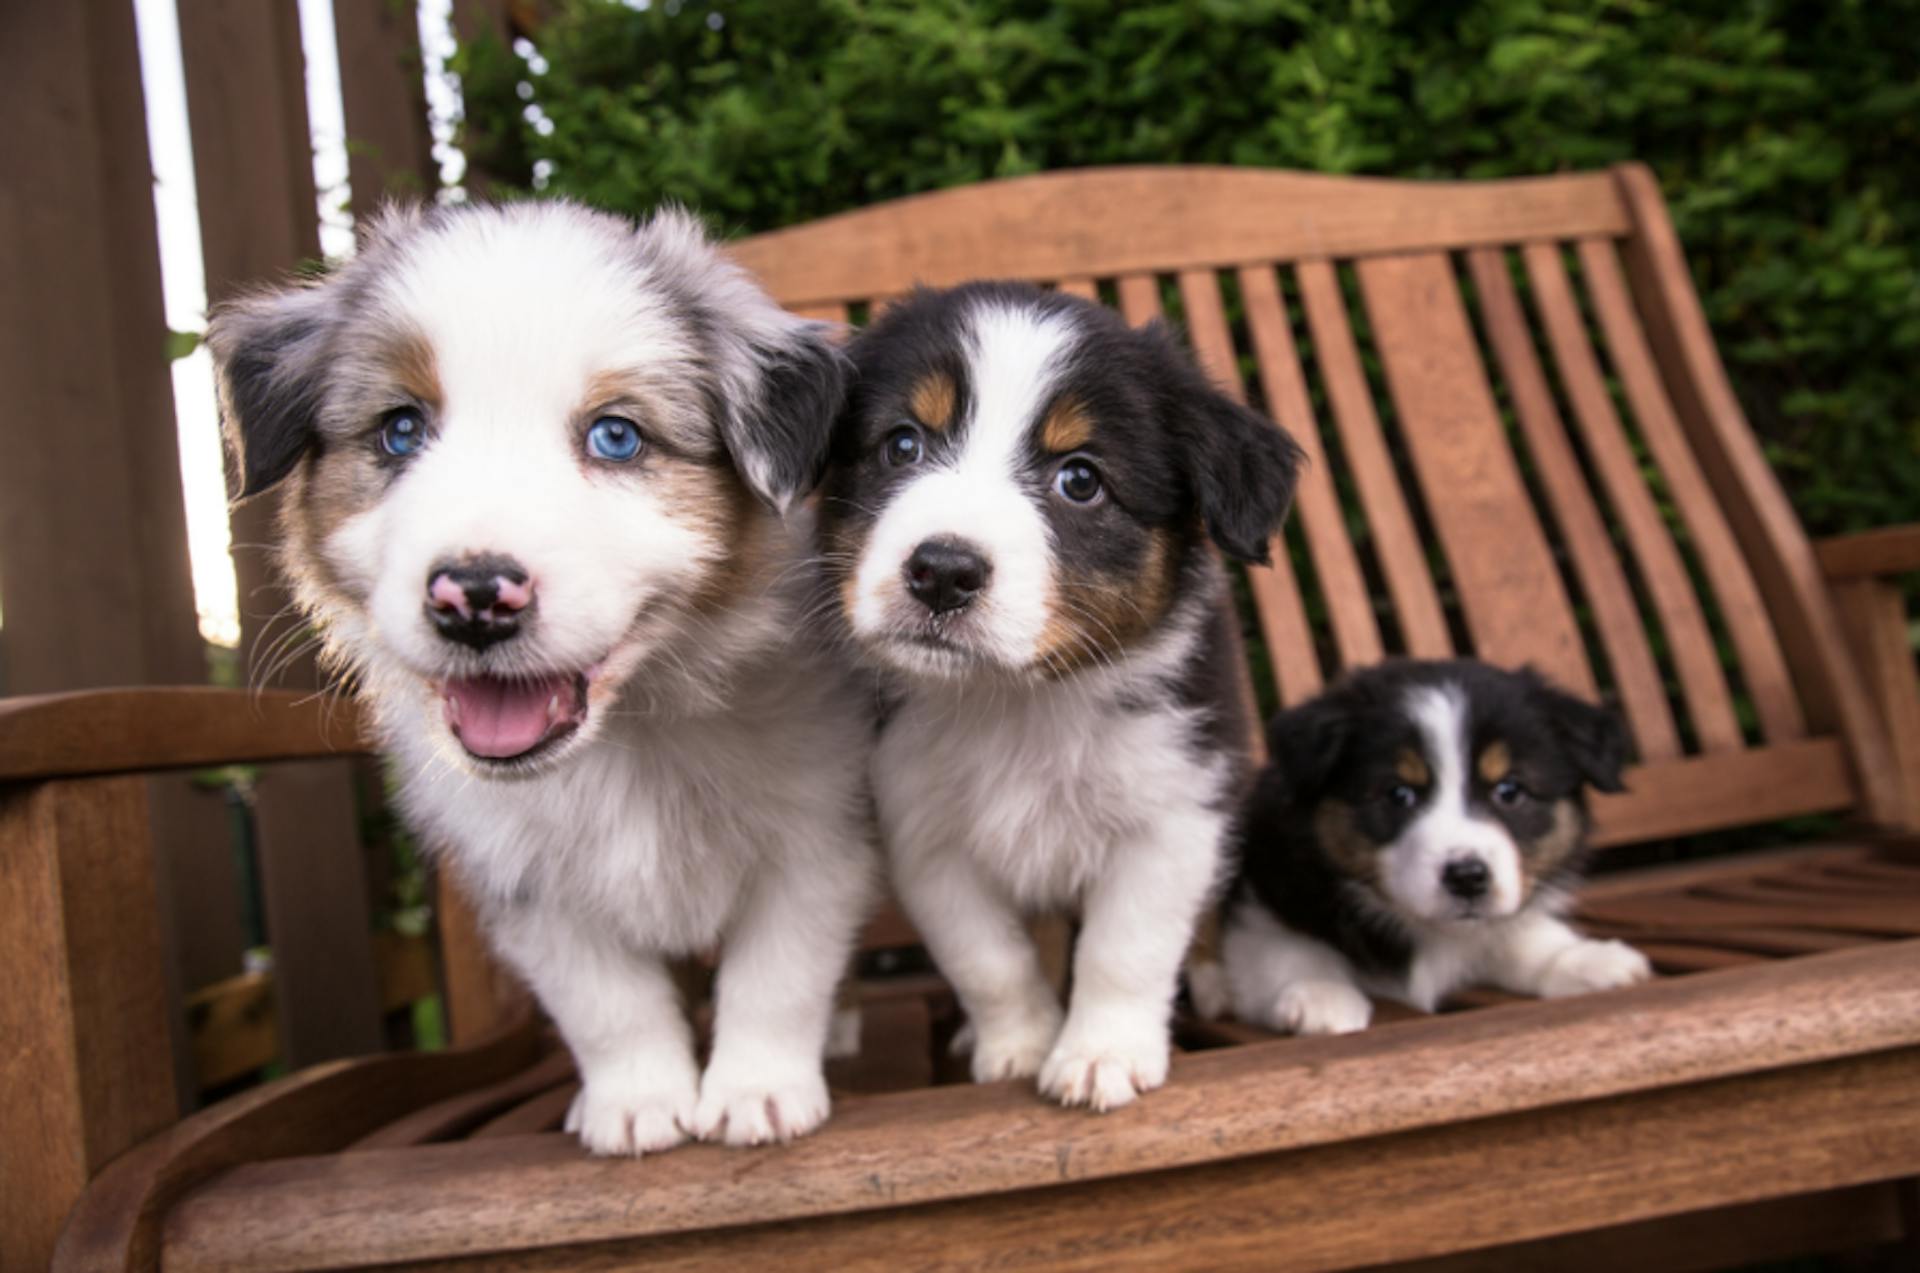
(1690, 641)
(1516, 608)
(1402, 557)
(445, 1120)
(1762, 665)
(1085, 288)
(1229, 1103)
(1616, 616)
(1356, 634)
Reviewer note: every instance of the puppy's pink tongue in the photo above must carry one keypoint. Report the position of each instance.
(500, 719)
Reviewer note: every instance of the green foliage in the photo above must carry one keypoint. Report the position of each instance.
(1781, 130)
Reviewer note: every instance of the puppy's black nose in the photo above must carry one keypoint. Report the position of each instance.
(1466, 878)
(946, 574)
(478, 601)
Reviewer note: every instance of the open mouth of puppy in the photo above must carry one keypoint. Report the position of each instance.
(501, 720)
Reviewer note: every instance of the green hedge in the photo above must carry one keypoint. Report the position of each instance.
(1784, 134)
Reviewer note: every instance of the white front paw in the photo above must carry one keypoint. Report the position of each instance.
(760, 1104)
(632, 1110)
(1013, 1049)
(1594, 965)
(1104, 1071)
(1320, 1007)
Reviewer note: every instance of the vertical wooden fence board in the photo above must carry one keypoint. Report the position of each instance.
(383, 98)
(253, 163)
(1515, 605)
(94, 574)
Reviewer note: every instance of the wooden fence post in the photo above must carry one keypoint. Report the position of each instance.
(253, 165)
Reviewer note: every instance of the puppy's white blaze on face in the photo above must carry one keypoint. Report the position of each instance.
(975, 494)
(1446, 830)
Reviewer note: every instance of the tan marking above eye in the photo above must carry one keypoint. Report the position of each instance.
(1068, 427)
(933, 400)
(411, 362)
(1411, 766)
(1496, 761)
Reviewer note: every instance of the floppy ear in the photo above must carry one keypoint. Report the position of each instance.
(269, 359)
(780, 380)
(779, 434)
(1240, 466)
(1305, 745)
(1595, 739)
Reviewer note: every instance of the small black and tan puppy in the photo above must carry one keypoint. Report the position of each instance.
(1019, 519)
(1420, 828)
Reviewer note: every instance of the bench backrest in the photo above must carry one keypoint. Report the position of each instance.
(1523, 444)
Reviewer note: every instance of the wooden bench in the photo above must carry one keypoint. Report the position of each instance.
(1524, 447)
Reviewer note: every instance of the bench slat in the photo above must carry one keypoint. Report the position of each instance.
(1515, 605)
(1356, 634)
(1762, 665)
(1616, 616)
(1397, 546)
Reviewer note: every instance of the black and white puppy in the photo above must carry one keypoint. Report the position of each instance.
(1016, 525)
(1420, 828)
(534, 462)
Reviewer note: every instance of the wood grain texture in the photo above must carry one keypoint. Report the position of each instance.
(1744, 615)
(1516, 608)
(1221, 1105)
(1343, 585)
(1757, 508)
(1873, 613)
(383, 102)
(1609, 1161)
(318, 1111)
(87, 1062)
(186, 727)
(1397, 545)
(1843, 1220)
(1107, 221)
(1890, 550)
(1709, 792)
(1616, 616)
(1690, 641)
(1276, 590)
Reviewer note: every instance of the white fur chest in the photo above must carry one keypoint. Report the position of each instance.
(1040, 785)
(648, 833)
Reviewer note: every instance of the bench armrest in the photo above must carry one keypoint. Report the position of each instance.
(1890, 550)
(91, 732)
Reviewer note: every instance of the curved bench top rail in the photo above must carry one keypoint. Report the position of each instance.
(1107, 221)
(527, 1192)
(136, 730)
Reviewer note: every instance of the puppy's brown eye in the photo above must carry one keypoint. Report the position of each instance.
(903, 446)
(1078, 480)
(1402, 796)
(1508, 793)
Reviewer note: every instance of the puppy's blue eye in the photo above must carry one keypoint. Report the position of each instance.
(1508, 793)
(1078, 480)
(613, 439)
(402, 432)
(1401, 796)
(903, 446)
